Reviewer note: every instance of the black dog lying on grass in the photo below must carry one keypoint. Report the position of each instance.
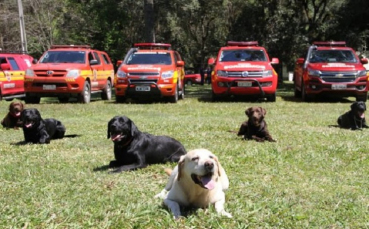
(354, 119)
(38, 130)
(255, 127)
(134, 149)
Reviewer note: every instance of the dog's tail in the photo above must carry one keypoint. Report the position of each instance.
(168, 171)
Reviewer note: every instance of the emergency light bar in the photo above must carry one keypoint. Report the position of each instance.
(242, 43)
(12, 52)
(70, 46)
(329, 43)
(152, 45)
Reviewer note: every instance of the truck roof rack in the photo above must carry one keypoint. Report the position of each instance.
(70, 46)
(152, 46)
(242, 43)
(12, 52)
(330, 43)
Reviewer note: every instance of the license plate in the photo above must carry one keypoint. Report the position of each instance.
(244, 84)
(338, 86)
(142, 88)
(48, 87)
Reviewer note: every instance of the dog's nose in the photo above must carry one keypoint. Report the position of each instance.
(209, 165)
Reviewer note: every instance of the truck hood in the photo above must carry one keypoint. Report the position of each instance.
(242, 66)
(336, 66)
(146, 68)
(55, 66)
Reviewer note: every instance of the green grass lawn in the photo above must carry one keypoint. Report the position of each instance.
(314, 176)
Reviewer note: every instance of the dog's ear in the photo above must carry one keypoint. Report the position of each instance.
(37, 112)
(134, 128)
(353, 105)
(109, 123)
(248, 111)
(218, 165)
(180, 166)
(263, 111)
(21, 105)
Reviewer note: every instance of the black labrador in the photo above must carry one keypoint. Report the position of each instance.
(354, 119)
(134, 149)
(38, 130)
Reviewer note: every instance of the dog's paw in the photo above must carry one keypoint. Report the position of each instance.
(226, 214)
(162, 195)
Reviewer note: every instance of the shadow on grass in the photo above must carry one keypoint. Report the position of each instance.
(286, 92)
(101, 168)
(65, 136)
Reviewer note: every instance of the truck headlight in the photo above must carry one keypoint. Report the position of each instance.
(30, 72)
(74, 73)
(312, 72)
(267, 73)
(121, 74)
(222, 73)
(361, 73)
(168, 74)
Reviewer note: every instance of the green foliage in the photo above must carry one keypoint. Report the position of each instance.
(196, 28)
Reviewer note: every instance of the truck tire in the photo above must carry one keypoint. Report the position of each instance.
(106, 93)
(85, 95)
(174, 98)
(32, 99)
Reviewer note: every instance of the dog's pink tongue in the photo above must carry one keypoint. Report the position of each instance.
(115, 137)
(17, 114)
(208, 182)
(362, 115)
(28, 125)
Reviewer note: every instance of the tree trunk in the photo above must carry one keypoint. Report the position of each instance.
(149, 20)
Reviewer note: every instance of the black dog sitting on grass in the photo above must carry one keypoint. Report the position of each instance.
(354, 119)
(134, 149)
(38, 130)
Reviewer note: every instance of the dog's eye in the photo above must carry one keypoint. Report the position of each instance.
(211, 156)
(195, 158)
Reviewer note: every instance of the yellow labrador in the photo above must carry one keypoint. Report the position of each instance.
(197, 181)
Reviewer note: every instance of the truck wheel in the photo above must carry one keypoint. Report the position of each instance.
(297, 93)
(363, 98)
(182, 95)
(64, 99)
(106, 93)
(32, 99)
(271, 98)
(174, 98)
(85, 95)
(214, 97)
(189, 82)
(305, 97)
(120, 99)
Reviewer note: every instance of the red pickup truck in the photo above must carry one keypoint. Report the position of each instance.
(12, 69)
(244, 69)
(330, 69)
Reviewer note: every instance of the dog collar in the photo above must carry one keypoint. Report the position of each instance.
(127, 142)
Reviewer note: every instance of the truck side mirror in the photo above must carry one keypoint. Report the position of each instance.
(5, 66)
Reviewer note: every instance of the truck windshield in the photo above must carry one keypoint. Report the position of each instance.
(162, 58)
(332, 56)
(242, 55)
(64, 57)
